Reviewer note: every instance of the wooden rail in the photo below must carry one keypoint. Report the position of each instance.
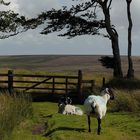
(53, 83)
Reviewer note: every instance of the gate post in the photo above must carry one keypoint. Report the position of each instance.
(80, 76)
(10, 81)
(66, 86)
(53, 85)
(92, 85)
(103, 82)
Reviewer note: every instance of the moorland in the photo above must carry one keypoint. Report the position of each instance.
(21, 119)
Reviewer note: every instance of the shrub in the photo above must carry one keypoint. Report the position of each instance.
(123, 83)
(125, 101)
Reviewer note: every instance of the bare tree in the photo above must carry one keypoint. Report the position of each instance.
(130, 73)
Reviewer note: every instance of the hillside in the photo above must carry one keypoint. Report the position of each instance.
(60, 63)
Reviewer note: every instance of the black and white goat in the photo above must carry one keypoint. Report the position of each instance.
(97, 106)
(65, 107)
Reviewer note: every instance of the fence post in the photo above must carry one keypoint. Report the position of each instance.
(92, 85)
(66, 85)
(103, 84)
(80, 84)
(53, 85)
(10, 81)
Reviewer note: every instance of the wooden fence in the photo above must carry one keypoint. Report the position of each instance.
(52, 83)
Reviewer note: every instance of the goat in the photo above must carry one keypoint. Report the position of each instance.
(70, 110)
(65, 100)
(97, 105)
(65, 107)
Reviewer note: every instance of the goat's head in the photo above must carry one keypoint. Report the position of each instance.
(65, 100)
(110, 92)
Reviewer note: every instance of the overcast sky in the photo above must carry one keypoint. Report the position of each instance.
(32, 42)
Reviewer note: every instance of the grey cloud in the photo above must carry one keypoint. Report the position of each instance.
(32, 42)
(32, 7)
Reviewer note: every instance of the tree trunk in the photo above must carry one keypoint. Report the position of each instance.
(115, 42)
(117, 59)
(130, 73)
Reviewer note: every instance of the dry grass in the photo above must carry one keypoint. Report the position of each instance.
(63, 63)
(126, 101)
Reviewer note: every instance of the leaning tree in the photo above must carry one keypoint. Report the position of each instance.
(82, 19)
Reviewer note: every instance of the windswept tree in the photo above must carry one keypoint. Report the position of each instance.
(130, 73)
(82, 19)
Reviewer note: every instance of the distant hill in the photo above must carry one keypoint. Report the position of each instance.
(60, 63)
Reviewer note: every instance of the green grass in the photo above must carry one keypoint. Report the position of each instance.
(47, 124)
(121, 123)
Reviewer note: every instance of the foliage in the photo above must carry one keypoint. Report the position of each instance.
(12, 23)
(107, 61)
(4, 3)
(78, 20)
(9, 22)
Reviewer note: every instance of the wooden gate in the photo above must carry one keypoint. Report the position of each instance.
(47, 83)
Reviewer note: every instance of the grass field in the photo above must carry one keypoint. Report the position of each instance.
(122, 122)
(47, 124)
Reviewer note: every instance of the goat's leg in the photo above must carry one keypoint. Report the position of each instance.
(99, 126)
(89, 130)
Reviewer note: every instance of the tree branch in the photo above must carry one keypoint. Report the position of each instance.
(128, 1)
(109, 4)
(78, 9)
(4, 3)
(12, 34)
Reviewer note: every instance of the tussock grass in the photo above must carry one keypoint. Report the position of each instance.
(128, 101)
(13, 109)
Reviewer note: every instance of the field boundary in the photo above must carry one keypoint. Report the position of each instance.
(51, 83)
